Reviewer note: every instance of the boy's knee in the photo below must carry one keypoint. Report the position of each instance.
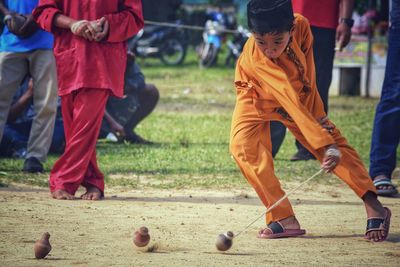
(241, 150)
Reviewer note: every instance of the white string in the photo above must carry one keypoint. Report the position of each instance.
(281, 199)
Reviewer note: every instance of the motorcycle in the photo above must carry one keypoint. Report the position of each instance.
(163, 42)
(235, 46)
(212, 39)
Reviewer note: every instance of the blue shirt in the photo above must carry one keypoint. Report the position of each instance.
(11, 43)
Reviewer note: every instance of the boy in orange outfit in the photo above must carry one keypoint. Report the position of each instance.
(275, 80)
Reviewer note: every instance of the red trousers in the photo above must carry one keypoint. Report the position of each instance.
(82, 112)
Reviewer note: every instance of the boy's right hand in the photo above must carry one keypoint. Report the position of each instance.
(331, 158)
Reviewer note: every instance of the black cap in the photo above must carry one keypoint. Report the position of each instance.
(265, 16)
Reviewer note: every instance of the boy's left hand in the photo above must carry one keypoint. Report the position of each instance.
(331, 158)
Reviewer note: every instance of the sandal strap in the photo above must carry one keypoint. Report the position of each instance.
(374, 224)
(276, 227)
(383, 181)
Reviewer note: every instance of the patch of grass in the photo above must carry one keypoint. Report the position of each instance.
(191, 126)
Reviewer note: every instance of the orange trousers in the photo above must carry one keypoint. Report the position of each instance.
(250, 145)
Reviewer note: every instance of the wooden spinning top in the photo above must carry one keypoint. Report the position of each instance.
(42, 246)
(142, 237)
(224, 241)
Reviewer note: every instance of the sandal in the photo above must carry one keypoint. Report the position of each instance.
(276, 230)
(384, 181)
(379, 224)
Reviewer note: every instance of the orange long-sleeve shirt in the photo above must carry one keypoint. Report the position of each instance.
(277, 83)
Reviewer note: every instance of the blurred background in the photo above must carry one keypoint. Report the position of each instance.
(358, 70)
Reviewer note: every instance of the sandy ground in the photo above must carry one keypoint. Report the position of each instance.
(184, 226)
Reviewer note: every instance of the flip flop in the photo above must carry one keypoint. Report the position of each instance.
(385, 182)
(379, 224)
(276, 230)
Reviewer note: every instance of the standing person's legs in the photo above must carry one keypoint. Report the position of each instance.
(82, 112)
(43, 71)
(386, 130)
(13, 69)
(324, 53)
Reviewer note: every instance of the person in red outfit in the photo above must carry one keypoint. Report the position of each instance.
(90, 52)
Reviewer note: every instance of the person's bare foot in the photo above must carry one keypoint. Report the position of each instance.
(374, 209)
(62, 195)
(92, 193)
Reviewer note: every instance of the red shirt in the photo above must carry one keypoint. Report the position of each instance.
(85, 64)
(320, 13)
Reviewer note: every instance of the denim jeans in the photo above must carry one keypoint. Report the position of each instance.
(386, 131)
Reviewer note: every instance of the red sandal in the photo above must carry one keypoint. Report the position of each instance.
(276, 230)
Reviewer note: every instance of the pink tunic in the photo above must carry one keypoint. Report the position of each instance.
(85, 64)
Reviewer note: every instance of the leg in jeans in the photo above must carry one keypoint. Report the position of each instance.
(386, 130)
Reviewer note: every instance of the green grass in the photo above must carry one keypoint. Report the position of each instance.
(191, 127)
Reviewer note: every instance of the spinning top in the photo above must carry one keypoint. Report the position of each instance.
(42, 246)
(224, 241)
(141, 237)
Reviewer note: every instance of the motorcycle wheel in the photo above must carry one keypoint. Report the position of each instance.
(230, 60)
(208, 55)
(173, 52)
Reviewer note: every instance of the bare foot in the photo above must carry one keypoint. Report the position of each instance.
(92, 193)
(62, 194)
(374, 209)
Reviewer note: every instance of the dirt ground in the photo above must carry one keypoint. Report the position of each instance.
(184, 226)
